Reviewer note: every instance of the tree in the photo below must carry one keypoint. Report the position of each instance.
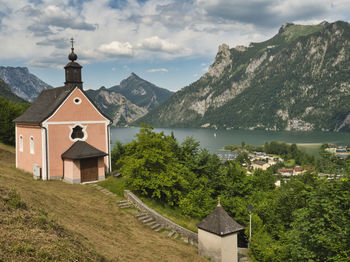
(321, 229)
(117, 152)
(8, 112)
(153, 169)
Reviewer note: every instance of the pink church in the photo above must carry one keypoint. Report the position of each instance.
(63, 135)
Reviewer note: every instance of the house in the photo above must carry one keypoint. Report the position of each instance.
(63, 135)
(285, 171)
(298, 170)
(260, 164)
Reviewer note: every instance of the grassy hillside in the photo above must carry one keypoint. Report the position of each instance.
(27, 234)
(92, 218)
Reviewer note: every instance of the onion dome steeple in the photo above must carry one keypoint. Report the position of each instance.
(73, 70)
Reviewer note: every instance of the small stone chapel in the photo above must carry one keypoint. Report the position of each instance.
(217, 236)
(63, 135)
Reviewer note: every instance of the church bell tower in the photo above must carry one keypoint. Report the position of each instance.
(73, 70)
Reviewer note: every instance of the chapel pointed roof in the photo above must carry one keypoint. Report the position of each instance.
(219, 222)
(45, 104)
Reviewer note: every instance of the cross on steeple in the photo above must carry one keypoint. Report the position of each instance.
(73, 70)
(72, 41)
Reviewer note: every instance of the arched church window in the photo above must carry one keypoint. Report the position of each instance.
(21, 143)
(31, 145)
(77, 133)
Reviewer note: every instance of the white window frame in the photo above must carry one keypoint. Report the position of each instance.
(31, 145)
(20, 143)
(84, 132)
(79, 100)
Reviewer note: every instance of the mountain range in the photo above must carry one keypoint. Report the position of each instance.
(297, 80)
(124, 103)
(130, 100)
(22, 83)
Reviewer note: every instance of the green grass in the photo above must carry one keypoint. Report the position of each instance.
(290, 163)
(174, 214)
(28, 234)
(115, 185)
(118, 185)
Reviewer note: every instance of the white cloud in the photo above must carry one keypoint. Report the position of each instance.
(154, 43)
(154, 70)
(116, 48)
(139, 29)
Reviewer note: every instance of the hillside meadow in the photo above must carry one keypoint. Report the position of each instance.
(89, 220)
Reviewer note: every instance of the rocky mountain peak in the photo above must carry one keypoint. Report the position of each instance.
(222, 60)
(284, 27)
(22, 82)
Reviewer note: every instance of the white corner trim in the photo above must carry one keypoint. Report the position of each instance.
(84, 132)
(109, 148)
(48, 151)
(16, 145)
(43, 155)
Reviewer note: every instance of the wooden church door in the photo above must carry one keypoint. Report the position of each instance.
(89, 169)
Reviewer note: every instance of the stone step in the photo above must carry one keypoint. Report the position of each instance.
(123, 201)
(144, 218)
(171, 234)
(147, 220)
(185, 239)
(125, 206)
(155, 226)
(192, 242)
(141, 215)
(151, 223)
(158, 229)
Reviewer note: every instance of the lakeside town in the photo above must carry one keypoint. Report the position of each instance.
(253, 160)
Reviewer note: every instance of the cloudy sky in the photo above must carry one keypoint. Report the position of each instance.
(168, 42)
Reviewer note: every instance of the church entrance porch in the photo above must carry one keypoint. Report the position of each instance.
(83, 163)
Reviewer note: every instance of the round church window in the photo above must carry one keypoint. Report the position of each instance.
(77, 101)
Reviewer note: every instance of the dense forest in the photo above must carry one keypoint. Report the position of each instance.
(305, 219)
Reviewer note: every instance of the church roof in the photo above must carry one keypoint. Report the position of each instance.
(81, 150)
(220, 223)
(46, 103)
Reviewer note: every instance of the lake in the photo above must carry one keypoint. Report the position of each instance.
(215, 140)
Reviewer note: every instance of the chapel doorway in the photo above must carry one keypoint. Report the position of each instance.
(89, 169)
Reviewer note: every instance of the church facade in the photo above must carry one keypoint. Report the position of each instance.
(63, 135)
